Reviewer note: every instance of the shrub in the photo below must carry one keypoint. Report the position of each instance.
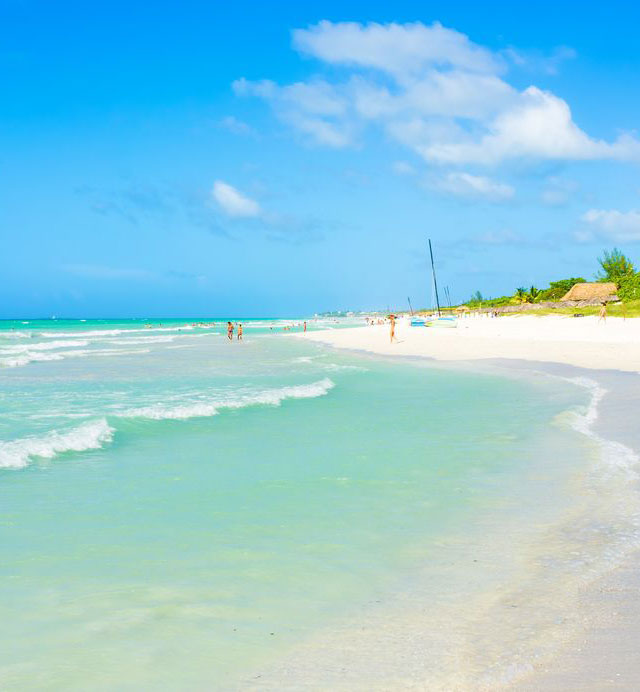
(558, 288)
(629, 287)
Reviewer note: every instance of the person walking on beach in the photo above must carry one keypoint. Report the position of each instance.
(602, 317)
(392, 320)
(230, 331)
(305, 326)
(239, 332)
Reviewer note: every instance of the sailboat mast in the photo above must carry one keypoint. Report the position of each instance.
(435, 283)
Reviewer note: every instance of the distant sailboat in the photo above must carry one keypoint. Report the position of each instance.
(440, 320)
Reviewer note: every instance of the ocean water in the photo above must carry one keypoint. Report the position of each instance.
(181, 512)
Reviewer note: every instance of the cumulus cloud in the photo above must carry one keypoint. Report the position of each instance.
(537, 125)
(399, 49)
(316, 109)
(233, 203)
(614, 224)
(473, 187)
(433, 90)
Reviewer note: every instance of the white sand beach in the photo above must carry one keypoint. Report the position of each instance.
(584, 342)
(603, 653)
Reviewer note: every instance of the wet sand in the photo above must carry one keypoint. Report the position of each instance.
(595, 643)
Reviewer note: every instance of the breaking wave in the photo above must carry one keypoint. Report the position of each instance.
(198, 409)
(18, 453)
(43, 346)
(21, 359)
(613, 454)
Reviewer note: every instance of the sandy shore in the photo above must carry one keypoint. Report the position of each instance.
(604, 654)
(583, 342)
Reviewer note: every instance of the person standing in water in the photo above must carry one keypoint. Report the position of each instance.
(239, 332)
(392, 320)
(305, 325)
(230, 331)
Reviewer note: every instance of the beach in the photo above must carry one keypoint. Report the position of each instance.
(182, 510)
(594, 635)
(583, 342)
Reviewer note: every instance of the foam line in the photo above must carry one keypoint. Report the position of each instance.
(18, 453)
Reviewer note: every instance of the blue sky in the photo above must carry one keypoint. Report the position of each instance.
(286, 158)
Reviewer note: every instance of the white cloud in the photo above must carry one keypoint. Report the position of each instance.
(611, 223)
(234, 203)
(434, 91)
(237, 127)
(316, 109)
(399, 49)
(539, 125)
(535, 61)
(473, 187)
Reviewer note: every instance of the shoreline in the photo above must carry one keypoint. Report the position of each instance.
(600, 652)
(584, 342)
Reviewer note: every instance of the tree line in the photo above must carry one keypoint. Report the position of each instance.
(615, 267)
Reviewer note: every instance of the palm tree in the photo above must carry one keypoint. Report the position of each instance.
(533, 294)
(521, 294)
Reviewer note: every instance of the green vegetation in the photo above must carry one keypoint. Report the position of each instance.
(622, 309)
(559, 288)
(614, 267)
(629, 287)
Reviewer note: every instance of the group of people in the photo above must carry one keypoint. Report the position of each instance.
(230, 329)
(238, 329)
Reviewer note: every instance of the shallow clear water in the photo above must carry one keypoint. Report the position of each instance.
(177, 511)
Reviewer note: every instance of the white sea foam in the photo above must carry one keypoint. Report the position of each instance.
(35, 356)
(196, 409)
(142, 340)
(18, 453)
(114, 332)
(15, 335)
(614, 454)
(336, 367)
(41, 346)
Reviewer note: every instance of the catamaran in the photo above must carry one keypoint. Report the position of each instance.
(437, 320)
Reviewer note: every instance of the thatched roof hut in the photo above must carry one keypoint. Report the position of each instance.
(591, 291)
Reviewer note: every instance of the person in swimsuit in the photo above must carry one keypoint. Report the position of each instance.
(602, 317)
(239, 332)
(230, 331)
(392, 319)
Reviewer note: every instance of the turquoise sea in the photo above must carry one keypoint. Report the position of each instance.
(181, 512)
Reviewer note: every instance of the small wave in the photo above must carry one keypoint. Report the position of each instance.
(114, 332)
(614, 454)
(18, 453)
(269, 397)
(335, 367)
(42, 346)
(31, 357)
(304, 359)
(143, 340)
(15, 335)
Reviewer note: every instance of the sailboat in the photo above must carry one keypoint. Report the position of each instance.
(439, 320)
